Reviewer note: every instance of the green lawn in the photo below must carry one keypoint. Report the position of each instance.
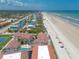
(8, 38)
(39, 28)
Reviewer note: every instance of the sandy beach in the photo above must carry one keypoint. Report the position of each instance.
(61, 31)
(70, 31)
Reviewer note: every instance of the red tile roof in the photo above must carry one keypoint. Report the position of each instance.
(13, 44)
(24, 55)
(51, 52)
(23, 35)
(35, 52)
(42, 37)
(41, 40)
(1, 54)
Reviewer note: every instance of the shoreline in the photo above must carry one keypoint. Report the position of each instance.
(68, 29)
(68, 20)
(57, 28)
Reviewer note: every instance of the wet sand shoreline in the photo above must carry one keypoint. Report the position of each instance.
(70, 31)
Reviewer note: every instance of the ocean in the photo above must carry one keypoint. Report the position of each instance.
(71, 16)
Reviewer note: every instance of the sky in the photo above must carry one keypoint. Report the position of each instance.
(39, 4)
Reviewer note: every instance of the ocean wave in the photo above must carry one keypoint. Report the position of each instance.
(69, 18)
(72, 18)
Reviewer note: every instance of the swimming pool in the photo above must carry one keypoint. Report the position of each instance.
(2, 39)
(24, 49)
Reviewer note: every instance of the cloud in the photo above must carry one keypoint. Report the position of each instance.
(12, 2)
(20, 4)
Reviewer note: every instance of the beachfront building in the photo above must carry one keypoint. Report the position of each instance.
(21, 23)
(12, 47)
(15, 50)
(42, 39)
(39, 16)
(24, 38)
(42, 35)
(25, 47)
(17, 55)
(43, 52)
(27, 18)
(25, 41)
(1, 54)
(31, 25)
(33, 20)
(13, 20)
(30, 16)
(13, 28)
